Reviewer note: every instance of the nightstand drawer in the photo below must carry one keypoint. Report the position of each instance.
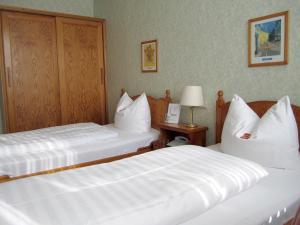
(196, 135)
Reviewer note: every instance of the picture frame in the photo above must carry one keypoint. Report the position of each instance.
(268, 40)
(149, 60)
(173, 113)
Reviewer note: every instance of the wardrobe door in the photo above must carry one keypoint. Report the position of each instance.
(32, 82)
(81, 70)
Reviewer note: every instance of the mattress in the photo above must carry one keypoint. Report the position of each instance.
(274, 200)
(174, 184)
(122, 143)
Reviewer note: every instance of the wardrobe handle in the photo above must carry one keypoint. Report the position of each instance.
(9, 78)
(102, 76)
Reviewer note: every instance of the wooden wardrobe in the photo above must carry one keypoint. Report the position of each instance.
(52, 69)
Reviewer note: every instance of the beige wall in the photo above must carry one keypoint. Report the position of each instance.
(79, 7)
(200, 43)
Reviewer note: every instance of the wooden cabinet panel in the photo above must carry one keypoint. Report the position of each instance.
(81, 70)
(32, 82)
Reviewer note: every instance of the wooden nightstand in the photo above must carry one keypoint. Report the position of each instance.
(197, 135)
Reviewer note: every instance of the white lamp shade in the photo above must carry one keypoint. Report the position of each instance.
(192, 96)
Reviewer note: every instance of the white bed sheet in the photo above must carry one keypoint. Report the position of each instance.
(174, 184)
(125, 142)
(52, 138)
(273, 201)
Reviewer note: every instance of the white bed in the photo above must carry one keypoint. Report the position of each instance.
(274, 200)
(160, 187)
(71, 152)
(71, 146)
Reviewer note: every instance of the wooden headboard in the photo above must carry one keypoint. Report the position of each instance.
(158, 107)
(260, 107)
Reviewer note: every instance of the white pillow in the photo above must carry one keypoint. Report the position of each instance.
(124, 102)
(271, 141)
(133, 116)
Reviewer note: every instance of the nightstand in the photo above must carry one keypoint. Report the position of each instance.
(196, 135)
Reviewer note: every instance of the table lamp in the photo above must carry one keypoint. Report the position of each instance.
(192, 97)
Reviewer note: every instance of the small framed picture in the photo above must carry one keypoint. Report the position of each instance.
(268, 40)
(149, 56)
(173, 113)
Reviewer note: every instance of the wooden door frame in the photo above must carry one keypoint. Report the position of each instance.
(4, 109)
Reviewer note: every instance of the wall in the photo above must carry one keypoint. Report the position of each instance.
(200, 43)
(79, 7)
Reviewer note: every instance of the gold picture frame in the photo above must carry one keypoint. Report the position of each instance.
(149, 60)
(268, 40)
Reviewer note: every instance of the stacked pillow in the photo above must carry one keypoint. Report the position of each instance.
(271, 140)
(133, 116)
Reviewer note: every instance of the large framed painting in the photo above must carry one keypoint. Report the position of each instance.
(149, 56)
(268, 40)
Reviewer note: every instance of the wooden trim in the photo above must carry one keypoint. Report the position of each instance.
(122, 92)
(156, 43)
(105, 69)
(3, 83)
(219, 126)
(8, 65)
(259, 107)
(286, 45)
(181, 128)
(290, 222)
(48, 13)
(296, 219)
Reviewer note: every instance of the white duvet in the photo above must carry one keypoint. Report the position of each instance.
(43, 149)
(167, 186)
(53, 138)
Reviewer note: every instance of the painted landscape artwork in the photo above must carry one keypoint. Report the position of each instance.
(268, 38)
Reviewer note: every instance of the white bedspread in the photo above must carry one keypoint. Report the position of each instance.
(167, 186)
(52, 138)
(95, 148)
(43, 149)
(273, 201)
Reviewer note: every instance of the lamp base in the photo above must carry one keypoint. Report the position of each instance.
(191, 125)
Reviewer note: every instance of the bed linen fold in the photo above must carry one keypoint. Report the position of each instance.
(52, 138)
(174, 184)
(32, 162)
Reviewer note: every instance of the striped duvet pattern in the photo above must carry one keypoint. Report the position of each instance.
(48, 148)
(167, 186)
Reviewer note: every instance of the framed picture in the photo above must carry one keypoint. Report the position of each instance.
(268, 40)
(149, 56)
(173, 113)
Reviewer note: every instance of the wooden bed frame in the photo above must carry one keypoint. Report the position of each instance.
(260, 107)
(158, 107)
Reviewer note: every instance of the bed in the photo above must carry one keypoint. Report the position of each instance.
(277, 204)
(159, 187)
(76, 145)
